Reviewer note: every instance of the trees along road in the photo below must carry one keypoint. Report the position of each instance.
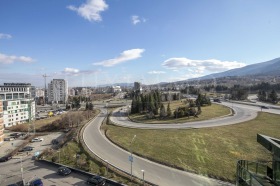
(154, 172)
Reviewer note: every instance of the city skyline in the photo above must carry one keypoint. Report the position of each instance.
(95, 42)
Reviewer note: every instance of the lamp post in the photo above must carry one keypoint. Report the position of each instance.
(131, 157)
(106, 167)
(21, 170)
(59, 156)
(143, 171)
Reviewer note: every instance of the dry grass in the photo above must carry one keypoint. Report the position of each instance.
(208, 151)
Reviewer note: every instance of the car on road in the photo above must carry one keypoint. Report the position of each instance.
(96, 180)
(264, 107)
(64, 171)
(5, 158)
(37, 140)
(27, 148)
(36, 182)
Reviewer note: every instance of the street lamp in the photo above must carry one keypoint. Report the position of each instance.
(143, 171)
(59, 156)
(21, 170)
(131, 157)
(106, 167)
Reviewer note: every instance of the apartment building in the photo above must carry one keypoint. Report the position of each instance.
(58, 91)
(1, 122)
(18, 103)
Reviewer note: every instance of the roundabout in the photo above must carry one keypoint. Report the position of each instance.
(154, 172)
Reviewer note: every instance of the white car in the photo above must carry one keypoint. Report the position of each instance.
(37, 139)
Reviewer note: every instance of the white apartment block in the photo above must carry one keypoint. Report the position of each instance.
(1, 123)
(18, 103)
(57, 91)
(18, 111)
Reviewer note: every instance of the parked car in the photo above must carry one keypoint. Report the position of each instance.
(5, 158)
(64, 171)
(27, 148)
(55, 142)
(36, 182)
(15, 135)
(96, 180)
(37, 139)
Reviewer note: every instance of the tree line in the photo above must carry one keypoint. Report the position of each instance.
(151, 105)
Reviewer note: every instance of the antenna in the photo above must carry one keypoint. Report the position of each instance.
(45, 77)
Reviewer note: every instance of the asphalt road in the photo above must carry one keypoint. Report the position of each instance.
(242, 113)
(157, 173)
(154, 172)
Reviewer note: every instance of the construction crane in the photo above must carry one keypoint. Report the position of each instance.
(45, 96)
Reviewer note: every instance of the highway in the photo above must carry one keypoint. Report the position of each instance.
(154, 172)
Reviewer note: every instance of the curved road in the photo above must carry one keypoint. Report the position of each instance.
(154, 172)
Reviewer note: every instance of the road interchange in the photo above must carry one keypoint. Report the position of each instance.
(154, 172)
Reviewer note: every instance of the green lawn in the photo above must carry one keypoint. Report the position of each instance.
(208, 112)
(208, 151)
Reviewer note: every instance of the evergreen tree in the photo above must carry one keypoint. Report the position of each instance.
(162, 113)
(273, 96)
(168, 110)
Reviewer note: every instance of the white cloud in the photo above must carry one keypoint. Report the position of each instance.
(126, 55)
(135, 19)
(156, 72)
(77, 72)
(5, 59)
(71, 70)
(90, 10)
(201, 66)
(5, 36)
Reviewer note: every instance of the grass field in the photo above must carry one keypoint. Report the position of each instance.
(208, 151)
(208, 112)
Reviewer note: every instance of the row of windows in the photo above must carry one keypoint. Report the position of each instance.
(24, 117)
(20, 89)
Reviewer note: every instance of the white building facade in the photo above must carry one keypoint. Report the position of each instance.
(1, 123)
(58, 91)
(18, 103)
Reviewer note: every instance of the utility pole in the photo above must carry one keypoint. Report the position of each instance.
(131, 157)
(45, 77)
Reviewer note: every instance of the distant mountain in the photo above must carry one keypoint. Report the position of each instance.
(268, 68)
(117, 84)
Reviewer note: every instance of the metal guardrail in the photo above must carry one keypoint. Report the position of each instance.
(111, 182)
(252, 174)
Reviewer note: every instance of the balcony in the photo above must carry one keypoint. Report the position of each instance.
(253, 173)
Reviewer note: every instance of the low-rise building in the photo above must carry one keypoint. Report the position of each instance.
(1, 122)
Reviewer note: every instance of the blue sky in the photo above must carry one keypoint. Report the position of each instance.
(93, 42)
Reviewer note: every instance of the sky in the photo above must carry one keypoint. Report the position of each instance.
(96, 42)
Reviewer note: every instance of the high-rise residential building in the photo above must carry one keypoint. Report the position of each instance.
(137, 86)
(1, 122)
(18, 103)
(57, 91)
